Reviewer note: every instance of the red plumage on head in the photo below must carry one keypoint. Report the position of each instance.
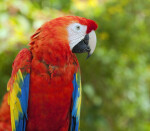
(91, 25)
(58, 26)
(52, 38)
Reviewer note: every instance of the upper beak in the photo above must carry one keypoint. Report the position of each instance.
(82, 46)
(87, 44)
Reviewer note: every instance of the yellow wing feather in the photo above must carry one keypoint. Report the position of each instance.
(79, 90)
(15, 105)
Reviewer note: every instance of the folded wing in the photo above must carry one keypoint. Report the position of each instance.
(18, 87)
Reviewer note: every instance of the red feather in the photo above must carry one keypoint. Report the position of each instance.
(5, 124)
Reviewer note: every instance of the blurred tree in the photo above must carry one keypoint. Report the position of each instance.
(116, 79)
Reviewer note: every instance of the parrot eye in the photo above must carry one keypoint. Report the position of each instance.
(76, 33)
(78, 27)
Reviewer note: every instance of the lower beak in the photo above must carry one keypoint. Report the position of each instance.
(82, 46)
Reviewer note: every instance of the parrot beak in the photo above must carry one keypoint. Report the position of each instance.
(87, 44)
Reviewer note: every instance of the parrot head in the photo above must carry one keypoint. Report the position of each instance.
(81, 34)
(73, 33)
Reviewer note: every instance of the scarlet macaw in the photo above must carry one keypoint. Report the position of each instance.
(45, 85)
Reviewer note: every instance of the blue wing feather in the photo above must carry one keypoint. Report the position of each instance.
(76, 96)
(24, 103)
(25, 94)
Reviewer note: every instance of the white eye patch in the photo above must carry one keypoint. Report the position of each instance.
(76, 32)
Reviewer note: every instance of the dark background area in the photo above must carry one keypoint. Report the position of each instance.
(116, 79)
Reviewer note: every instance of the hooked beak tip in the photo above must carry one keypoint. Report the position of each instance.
(88, 55)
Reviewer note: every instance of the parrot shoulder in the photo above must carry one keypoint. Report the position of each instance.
(22, 61)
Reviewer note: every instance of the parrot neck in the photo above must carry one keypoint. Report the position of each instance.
(53, 55)
(53, 49)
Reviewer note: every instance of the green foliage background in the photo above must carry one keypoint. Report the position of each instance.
(116, 79)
